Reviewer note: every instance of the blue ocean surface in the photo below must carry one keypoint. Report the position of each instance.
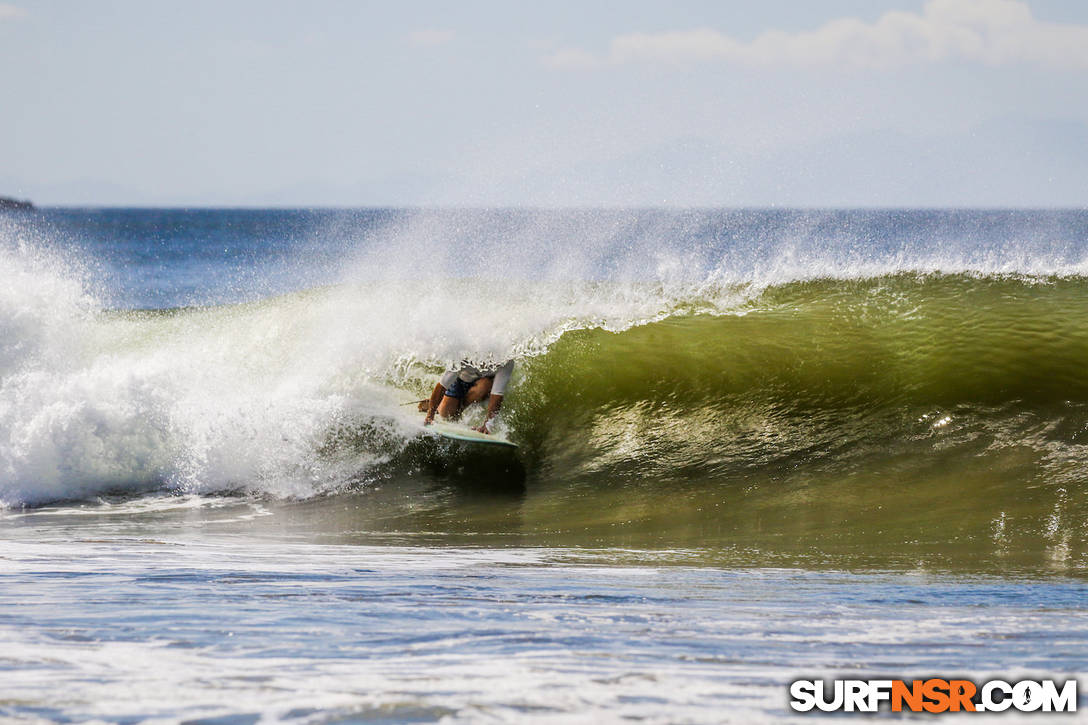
(754, 446)
(161, 258)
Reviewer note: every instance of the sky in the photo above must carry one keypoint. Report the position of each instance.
(836, 103)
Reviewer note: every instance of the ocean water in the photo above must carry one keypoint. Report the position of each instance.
(755, 446)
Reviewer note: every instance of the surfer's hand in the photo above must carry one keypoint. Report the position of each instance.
(482, 429)
(429, 419)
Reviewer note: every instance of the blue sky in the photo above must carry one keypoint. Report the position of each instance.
(836, 103)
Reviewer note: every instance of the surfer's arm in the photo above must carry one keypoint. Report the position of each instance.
(432, 404)
(498, 387)
(502, 377)
(493, 405)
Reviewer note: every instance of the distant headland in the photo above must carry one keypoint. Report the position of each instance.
(9, 203)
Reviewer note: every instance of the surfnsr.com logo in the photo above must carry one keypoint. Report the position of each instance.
(933, 695)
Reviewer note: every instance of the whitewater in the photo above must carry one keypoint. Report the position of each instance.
(727, 420)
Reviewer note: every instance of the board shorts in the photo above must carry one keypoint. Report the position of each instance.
(459, 388)
(458, 382)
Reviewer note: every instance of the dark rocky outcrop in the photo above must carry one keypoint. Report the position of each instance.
(8, 203)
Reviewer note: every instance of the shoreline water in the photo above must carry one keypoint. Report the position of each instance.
(227, 625)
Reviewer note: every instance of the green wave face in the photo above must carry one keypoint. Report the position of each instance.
(889, 421)
(937, 417)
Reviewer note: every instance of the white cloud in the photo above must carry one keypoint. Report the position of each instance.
(992, 32)
(430, 37)
(10, 12)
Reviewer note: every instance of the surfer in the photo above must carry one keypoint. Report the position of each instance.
(459, 388)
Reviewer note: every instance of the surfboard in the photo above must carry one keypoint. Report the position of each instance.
(467, 435)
